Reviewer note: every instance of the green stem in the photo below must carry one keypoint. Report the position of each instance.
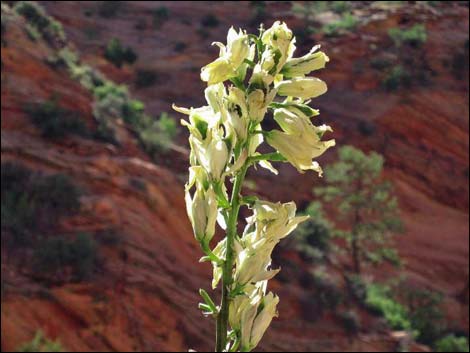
(227, 277)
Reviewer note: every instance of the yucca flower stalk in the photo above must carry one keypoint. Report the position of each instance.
(253, 74)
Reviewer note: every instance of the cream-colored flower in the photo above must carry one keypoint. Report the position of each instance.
(280, 40)
(212, 153)
(202, 206)
(263, 319)
(208, 147)
(300, 141)
(253, 264)
(243, 308)
(251, 314)
(257, 106)
(217, 71)
(238, 112)
(238, 47)
(304, 88)
(230, 58)
(272, 222)
(258, 103)
(302, 66)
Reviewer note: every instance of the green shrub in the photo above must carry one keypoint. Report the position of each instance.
(18, 212)
(313, 237)
(384, 254)
(210, 21)
(109, 9)
(426, 315)
(118, 55)
(396, 78)
(31, 201)
(54, 256)
(379, 300)
(366, 128)
(379, 63)
(55, 121)
(87, 76)
(341, 6)
(157, 135)
(451, 343)
(459, 62)
(351, 321)
(347, 23)
(414, 36)
(32, 33)
(41, 344)
(313, 240)
(323, 294)
(180, 46)
(64, 58)
(109, 237)
(37, 19)
(113, 102)
(4, 30)
(327, 293)
(357, 287)
(160, 16)
(145, 78)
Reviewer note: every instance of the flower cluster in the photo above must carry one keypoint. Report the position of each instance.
(252, 75)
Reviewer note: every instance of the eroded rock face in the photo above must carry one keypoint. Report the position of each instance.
(144, 296)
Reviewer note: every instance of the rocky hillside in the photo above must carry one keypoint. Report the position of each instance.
(140, 291)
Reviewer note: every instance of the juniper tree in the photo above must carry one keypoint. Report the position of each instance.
(366, 207)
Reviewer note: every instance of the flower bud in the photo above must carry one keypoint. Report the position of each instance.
(202, 212)
(280, 40)
(264, 318)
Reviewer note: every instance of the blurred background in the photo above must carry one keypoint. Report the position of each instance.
(96, 250)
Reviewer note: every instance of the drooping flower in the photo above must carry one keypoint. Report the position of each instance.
(304, 88)
(251, 314)
(230, 58)
(252, 264)
(271, 222)
(300, 141)
(299, 67)
(263, 318)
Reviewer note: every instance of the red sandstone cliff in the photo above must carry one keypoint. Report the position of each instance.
(145, 295)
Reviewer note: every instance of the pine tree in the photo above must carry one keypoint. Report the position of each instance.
(367, 209)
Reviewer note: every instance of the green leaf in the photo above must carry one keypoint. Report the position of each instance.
(249, 200)
(209, 303)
